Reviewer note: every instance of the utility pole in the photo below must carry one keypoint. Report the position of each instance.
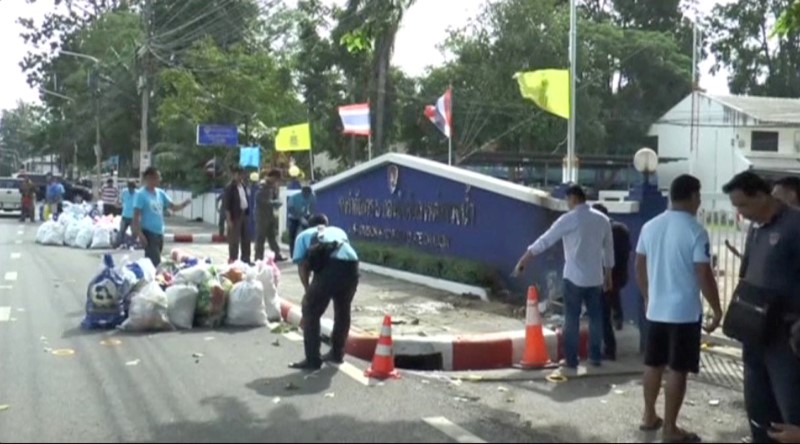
(94, 86)
(144, 87)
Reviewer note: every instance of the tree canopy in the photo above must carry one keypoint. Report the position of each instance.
(262, 64)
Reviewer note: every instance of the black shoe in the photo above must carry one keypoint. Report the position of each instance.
(305, 366)
(280, 258)
(333, 359)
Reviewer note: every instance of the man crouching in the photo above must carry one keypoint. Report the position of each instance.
(325, 252)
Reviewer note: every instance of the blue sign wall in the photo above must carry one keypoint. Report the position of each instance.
(409, 206)
(217, 135)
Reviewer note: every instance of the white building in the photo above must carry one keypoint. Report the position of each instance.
(727, 135)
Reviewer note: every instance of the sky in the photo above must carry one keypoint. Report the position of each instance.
(425, 26)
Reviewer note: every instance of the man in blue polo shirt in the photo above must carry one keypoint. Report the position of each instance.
(325, 252)
(148, 214)
(126, 198)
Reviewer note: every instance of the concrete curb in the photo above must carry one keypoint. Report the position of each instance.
(427, 281)
(486, 351)
(188, 238)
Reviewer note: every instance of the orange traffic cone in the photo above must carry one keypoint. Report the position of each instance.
(536, 355)
(383, 361)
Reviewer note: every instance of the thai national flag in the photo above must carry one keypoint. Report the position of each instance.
(355, 119)
(442, 113)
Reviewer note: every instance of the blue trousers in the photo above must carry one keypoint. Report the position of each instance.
(575, 298)
(771, 387)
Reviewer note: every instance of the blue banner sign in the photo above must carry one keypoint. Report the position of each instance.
(217, 135)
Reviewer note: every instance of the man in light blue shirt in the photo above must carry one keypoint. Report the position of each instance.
(325, 252)
(589, 258)
(126, 198)
(148, 214)
(673, 266)
(301, 206)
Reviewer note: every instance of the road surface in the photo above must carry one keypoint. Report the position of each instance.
(61, 384)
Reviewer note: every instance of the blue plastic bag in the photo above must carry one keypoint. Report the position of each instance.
(105, 297)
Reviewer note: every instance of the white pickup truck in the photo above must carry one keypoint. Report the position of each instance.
(10, 197)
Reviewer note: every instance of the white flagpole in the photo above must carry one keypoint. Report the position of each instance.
(450, 128)
(369, 145)
(450, 149)
(571, 173)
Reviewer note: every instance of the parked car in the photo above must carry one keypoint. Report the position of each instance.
(71, 191)
(10, 197)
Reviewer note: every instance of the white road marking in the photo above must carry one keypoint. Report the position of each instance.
(354, 372)
(16, 255)
(18, 242)
(6, 287)
(293, 336)
(453, 431)
(20, 232)
(5, 314)
(11, 276)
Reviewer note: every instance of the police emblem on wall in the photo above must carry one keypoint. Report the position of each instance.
(393, 173)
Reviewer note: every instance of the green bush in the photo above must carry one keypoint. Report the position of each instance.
(438, 266)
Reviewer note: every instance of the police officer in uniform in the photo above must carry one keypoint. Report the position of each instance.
(324, 252)
(267, 204)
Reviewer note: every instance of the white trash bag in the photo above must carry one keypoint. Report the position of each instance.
(85, 235)
(246, 303)
(50, 233)
(195, 275)
(182, 302)
(101, 237)
(148, 310)
(265, 275)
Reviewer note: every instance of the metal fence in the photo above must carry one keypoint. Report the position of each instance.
(727, 232)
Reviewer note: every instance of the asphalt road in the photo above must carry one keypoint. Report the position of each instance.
(151, 388)
(236, 392)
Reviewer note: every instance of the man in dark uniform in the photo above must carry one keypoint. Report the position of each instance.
(236, 205)
(267, 205)
(770, 263)
(325, 252)
(612, 301)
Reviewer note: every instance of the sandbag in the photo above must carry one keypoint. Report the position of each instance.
(182, 303)
(246, 303)
(148, 311)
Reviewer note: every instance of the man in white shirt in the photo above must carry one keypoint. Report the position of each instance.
(589, 258)
(673, 266)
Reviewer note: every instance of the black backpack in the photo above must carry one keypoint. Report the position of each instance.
(320, 252)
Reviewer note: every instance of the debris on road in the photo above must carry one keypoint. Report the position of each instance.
(133, 363)
(277, 343)
(64, 352)
(4, 407)
(330, 395)
(714, 403)
(208, 338)
(291, 386)
(276, 400)
(502, 389)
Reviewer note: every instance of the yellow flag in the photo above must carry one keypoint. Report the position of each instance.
(548, 88)
(294, 138)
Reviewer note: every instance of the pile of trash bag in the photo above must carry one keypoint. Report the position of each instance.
(182, 293)
(83, 226)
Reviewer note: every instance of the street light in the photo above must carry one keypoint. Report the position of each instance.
(97, 150)
(646, 162)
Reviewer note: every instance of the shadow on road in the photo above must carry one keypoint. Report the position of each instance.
(296, 384)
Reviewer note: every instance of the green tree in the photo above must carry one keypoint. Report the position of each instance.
(242, 85)
(18, 130)
(740, 35)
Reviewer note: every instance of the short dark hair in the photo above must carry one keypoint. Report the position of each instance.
(150, 171)
(275, 173)
(683, 187)
(748, 183)
(131, 184)
(317, 220)
(790, 182)
(576, 191)
(601, 208)
(110, 182)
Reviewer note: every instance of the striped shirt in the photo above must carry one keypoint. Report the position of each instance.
(110, 195)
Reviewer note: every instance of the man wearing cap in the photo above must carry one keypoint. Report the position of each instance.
(325, 252)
